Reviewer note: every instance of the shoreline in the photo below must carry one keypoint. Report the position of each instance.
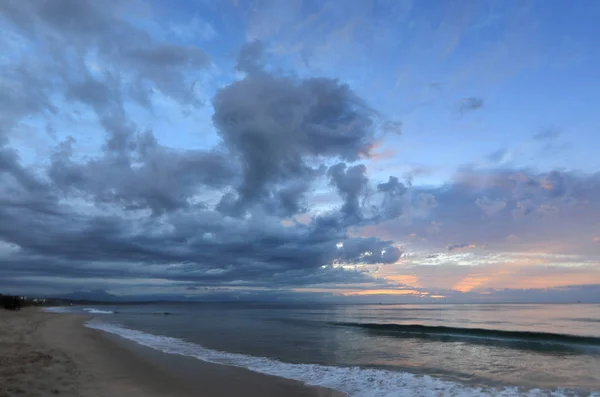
(55, 354)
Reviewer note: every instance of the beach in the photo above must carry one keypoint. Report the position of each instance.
(49, 354)
(211, 349)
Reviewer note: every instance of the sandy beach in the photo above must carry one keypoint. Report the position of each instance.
(48, 354)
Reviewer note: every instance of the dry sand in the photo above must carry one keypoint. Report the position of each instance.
(48, 354)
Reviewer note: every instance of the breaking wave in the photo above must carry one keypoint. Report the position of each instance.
(91, 310)
(441, 332)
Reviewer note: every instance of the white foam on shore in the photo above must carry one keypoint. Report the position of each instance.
(76, 309)
(354, 381)
(91, 310)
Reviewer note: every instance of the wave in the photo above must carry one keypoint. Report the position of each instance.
(353, 381)
(150, 313)
(91, 310)
(418, 330)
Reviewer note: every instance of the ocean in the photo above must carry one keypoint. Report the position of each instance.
(382, 350)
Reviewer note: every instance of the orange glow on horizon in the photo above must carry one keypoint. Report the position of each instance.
(470, 282)
(412, 292)
(386, 292)
(529, 273)
(407, 279)
(553, 281)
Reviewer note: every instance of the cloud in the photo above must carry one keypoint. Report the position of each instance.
(546, 135)
(369, 250)
(394, 201)
(499, 155)
(351, 183)
(277, 126)
(250, 57)
(493, 275)
(453, 247)
(281, 195)
(136, 209)
(88, 52)
(490, 207)
(162, 179)
(470, 104)
(506, 210)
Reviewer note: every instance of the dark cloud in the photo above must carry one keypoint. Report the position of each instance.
(351, 183)
(470, 104)
(137, 209)
(369, 250)
(277, 127)
(161, 180)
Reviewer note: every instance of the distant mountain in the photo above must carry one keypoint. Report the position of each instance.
(93, 295)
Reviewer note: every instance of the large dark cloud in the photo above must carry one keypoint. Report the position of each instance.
(351, 183)
(281, 129)
(138, 209)
(161, 179)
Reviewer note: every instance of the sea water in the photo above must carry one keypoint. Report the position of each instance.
(382, 350)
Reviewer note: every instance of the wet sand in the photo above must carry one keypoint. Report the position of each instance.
(48, 354)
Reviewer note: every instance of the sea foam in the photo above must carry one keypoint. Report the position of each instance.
(76, 309)
(91, 310)
(353, 381)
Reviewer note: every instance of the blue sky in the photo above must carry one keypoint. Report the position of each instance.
(533, 63)
(484, 111)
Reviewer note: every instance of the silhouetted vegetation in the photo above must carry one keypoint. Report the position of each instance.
(11, 302)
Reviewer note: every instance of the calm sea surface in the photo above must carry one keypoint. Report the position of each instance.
(383, 350)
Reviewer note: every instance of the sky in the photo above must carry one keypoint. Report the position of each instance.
(352, 151)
